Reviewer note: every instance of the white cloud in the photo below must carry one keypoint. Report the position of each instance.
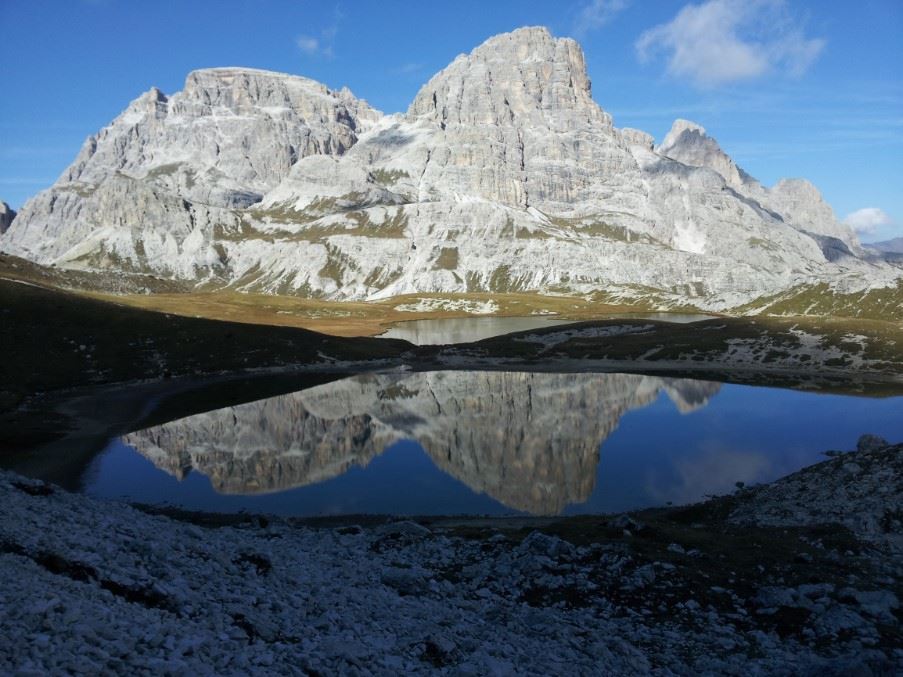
(715, 469)
(308, 44)
(868, 220)
(322, 45)
(596, 14)
(723, 41)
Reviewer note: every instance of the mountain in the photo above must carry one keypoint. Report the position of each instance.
(6, 217)
(894, 246)
(543, 459)
(503, 175)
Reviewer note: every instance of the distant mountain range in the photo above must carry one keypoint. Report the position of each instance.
(504, 175)
(894, 246)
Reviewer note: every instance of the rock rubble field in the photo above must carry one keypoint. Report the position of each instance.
(802, 576)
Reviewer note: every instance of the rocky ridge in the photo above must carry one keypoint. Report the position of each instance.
(503, 175)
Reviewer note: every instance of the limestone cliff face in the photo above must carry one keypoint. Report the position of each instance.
(151, 191)
(228, 137)
(531, 441)
(513, 112)
(802, 205)
(503, 175)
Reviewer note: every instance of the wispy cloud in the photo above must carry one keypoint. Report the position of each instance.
(724, 41)
(323, 43)
(597, 13)
(408, 69)
(308, 44)
(868, 220)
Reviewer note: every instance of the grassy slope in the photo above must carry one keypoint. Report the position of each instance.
(841, 355)
(55, 339)
(820, 300)
(339, 318)
(349, 318)
(43, 331)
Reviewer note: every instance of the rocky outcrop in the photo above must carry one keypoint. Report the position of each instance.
(539, 462)
(503, 175)
(860, 490)
(512, 114)
(6, 217)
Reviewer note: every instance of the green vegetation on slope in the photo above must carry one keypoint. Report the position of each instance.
(820, 300)
(54, 339)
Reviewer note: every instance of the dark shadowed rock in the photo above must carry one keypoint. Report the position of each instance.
(871, 443)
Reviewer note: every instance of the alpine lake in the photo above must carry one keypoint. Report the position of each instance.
(401, 442)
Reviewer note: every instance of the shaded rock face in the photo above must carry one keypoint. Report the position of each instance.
(267, 182)
(6, 217)
(543, 458)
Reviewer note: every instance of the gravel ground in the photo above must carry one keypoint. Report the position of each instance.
(765, 581)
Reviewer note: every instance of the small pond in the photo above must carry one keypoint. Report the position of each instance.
(469, 329)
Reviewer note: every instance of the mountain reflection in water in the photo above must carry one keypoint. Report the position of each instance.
(529, 440)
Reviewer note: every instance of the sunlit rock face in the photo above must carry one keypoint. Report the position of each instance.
(503, 175)
(687, 142)
(518, 123)
(531, 441)
(168, 172)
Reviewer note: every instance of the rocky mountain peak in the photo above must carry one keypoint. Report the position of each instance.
(234, 88)
(688, 142)
(677, 130)
(801, 203)
(512, 78)
(230, 135)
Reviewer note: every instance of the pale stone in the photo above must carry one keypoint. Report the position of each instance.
(503, 175)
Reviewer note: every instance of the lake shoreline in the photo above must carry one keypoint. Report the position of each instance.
(770, 578)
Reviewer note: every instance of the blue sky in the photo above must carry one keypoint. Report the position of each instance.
(788, 87)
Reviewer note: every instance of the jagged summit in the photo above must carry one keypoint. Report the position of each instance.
(678, 127)
(516, 77)
(503, 175)
(689, 143)
(260, 87)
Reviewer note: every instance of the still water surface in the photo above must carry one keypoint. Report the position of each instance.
(468, 329)
(484, 443)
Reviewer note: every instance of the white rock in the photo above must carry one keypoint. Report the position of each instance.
(503, 175)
